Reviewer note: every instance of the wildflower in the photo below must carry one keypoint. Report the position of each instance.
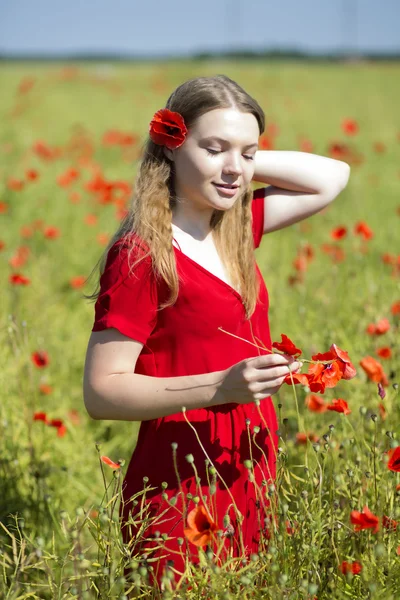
(394, 459)
(354, 567)
(315, 403)
(380, 328)
(339, 232)
(339, 405)
(109, 462)
(77, 282)
(362, 229)
(19, 279)
(40, 358)
(374, 370)
(40, 416)
(364, 520)
(350, 126)
(384, 352)
(301, 438)
(58, 423)
(395, 308)
(286, 345)
(201, 526)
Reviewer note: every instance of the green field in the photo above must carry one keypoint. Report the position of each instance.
(57, 539)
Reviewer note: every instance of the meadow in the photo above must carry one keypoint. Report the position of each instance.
(70, 138)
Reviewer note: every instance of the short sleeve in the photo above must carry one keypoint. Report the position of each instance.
(257, 208)
(126, 301)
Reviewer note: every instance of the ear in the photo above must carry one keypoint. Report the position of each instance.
(168, 153)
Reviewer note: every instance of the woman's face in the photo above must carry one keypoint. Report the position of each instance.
(204, 161)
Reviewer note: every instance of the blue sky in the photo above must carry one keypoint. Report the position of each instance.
(182, 27)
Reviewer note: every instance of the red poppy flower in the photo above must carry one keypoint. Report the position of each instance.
(389, 523)
(339, 232)
(394, 459)
(381, 327)
(395, 308)
(353, 567)
(287, 347)
(59, 424)
(201, 526)
(31, 174)
(374, 370)
(40, 359)
(384, 352)
(339, 405)
(77, 282)
(167, 128)
(301, 438)
(364, 520)
(350, 126)
(363, 230)
(315, 403)
(44, 388)
(18, 279)
(109, 462)
(40, 416)
(51, 232)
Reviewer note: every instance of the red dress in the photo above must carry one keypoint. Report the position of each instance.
(184, 339)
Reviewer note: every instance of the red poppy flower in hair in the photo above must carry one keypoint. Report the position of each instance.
(167, 128)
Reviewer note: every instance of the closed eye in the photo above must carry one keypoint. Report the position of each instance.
(214, 152)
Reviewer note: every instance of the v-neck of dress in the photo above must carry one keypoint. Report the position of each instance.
(199, 266)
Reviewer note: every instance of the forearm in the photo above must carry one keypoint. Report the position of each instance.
(135, 397)
(299, 171)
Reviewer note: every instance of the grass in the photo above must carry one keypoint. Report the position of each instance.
(59, 531)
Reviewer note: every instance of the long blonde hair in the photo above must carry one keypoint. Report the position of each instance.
(150, 214)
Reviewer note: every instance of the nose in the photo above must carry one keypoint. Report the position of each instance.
(232, 165)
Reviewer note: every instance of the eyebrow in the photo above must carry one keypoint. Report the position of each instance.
(214, 137)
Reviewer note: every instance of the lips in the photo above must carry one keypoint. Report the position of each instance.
(227, 186)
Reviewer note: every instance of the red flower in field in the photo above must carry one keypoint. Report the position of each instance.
(287, 347)
(3, 208)
(31, 174)
(394, 459)
(68, 177)
(20, 257)
(46, 389)
(109, 462)
(61, 429)
(381, 327)
(339, 232)
(389, 523)
(337, 254)
(354, 567)
(364, 520)
(91, 219)
(77, 282)
(362, 229)
(301, 438)
(18, 279)
(388, 259)
(2, 245)
(40, 358)
(51, 232)
(349, 126)
(315, 403)
(15, 184)
(26, 231)
(201, 526)
(339, 405)
(382, 411)
(374, 370)
(40, 416)
(341, 358)
(384, 352)
(395, 308)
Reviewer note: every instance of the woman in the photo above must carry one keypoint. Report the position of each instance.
(181, 338)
